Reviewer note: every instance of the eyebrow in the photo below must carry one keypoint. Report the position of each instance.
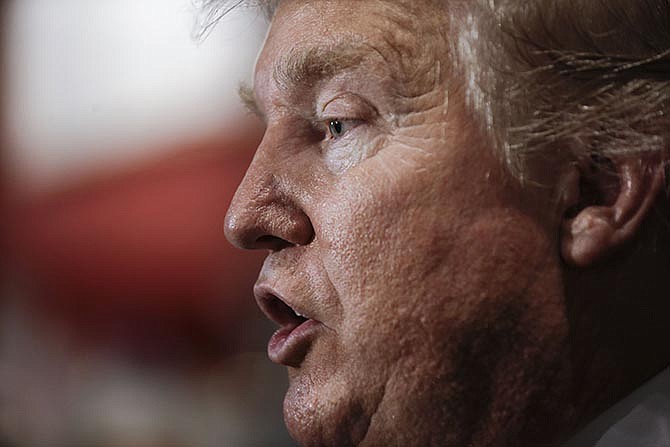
(248, 99)
(304, 68)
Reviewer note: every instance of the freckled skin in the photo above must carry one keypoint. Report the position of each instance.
(438, 281)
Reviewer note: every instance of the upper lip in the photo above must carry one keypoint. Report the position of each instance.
(277, 308)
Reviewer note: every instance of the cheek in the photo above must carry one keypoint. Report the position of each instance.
(505, 259)
(446, 308)
(444, 290)
(388, 264)
(383, 252)
(408, 267)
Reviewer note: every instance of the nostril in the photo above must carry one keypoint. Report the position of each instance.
(252, 236)
(271, 242)
(263, 223)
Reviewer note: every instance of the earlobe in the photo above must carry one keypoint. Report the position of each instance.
(612, 212)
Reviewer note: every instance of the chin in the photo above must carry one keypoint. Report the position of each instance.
(319, 415)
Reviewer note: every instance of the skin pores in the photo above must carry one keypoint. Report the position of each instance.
(434, 287)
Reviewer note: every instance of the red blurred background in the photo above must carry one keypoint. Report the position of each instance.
(135, 259)
(126, 318)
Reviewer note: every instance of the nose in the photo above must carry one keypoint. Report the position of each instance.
(264, 214)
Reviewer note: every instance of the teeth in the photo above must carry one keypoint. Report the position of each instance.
(299, 315)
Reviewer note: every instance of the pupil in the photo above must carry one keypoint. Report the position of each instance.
(336, 127)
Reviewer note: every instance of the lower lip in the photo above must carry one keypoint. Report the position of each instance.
(289, 345)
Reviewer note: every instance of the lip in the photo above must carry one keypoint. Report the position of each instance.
(290, 344)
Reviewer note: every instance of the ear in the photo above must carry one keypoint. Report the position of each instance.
(606, 203)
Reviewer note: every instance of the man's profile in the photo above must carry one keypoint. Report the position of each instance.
(465, 211)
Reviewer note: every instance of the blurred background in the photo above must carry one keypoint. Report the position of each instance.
(125, 317)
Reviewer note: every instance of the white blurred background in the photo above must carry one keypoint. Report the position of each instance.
(126, 320)
(111, 81)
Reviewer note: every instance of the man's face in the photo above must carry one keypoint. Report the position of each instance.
(429, 287)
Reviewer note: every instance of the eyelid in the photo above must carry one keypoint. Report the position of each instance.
(354, 105)
(332, 100)
(328, 120)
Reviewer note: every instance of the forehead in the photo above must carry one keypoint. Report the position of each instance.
(319, 19)
(309, 33)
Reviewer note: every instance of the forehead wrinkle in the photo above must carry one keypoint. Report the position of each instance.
(400, 39)
(411, 68)
(304, 68)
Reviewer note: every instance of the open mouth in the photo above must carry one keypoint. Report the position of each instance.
(281, 313)
(290, 344)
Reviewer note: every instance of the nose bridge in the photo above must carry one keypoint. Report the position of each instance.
(263, 212)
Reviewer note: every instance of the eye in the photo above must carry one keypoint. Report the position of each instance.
(337, 127)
